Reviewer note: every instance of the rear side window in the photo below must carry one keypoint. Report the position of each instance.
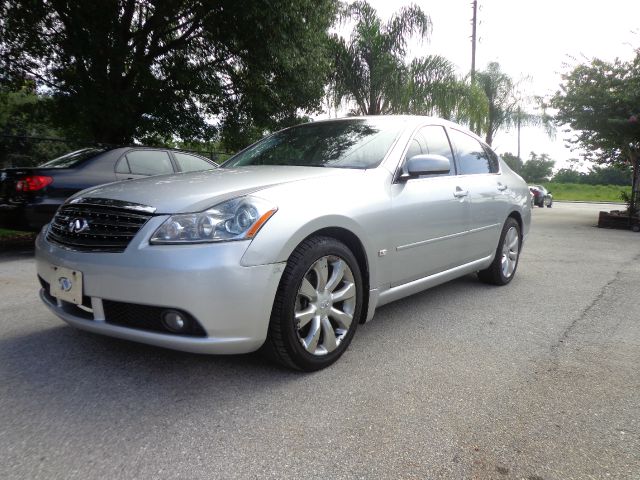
(73, 159)
(494, 162)
(191, 163)
(471, 155)
(149, 162)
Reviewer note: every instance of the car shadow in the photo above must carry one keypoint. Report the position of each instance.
(60, 370)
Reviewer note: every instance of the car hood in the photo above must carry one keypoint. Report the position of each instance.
(197, 191)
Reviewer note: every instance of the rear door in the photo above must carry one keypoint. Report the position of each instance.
(429, 214)
(478, 168)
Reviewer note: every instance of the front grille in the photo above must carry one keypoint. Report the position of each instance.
(95, 226)
(145, 317)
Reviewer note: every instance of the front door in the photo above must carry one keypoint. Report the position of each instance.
(430, 215)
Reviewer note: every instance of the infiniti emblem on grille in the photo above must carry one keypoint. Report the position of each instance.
(65, 284)
(78, 225)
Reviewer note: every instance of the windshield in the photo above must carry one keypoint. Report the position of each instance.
(354, 143)
(72, 159)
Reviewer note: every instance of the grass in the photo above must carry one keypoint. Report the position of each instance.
(6, 233)
(586, 193)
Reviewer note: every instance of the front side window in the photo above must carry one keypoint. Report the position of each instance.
(353, 143)
(437, 143)
(149, 162)
(472, 157)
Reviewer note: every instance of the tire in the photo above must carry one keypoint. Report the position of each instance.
(504, 265)
(549, 203)
(320, 270)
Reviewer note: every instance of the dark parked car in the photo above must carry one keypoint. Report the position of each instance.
(540, 196)
(29, 197)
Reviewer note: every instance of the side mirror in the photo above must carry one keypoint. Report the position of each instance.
(427, 165)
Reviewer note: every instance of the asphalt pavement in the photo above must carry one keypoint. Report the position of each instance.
(536, 380)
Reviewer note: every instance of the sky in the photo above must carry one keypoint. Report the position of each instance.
(536, 39)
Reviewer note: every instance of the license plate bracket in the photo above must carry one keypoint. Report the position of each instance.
(66, 284)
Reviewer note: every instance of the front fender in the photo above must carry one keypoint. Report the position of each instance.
(275, 244)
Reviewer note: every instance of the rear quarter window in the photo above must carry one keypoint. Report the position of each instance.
(149, 162)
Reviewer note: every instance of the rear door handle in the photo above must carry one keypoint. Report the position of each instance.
(459, 193)
(502, 187)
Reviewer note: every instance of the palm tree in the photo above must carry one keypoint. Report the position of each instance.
(371, 72)
(505, 104)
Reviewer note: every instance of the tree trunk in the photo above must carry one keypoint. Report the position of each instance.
(634, 158)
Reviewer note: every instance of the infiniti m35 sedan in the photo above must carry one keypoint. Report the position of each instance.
(290, 244)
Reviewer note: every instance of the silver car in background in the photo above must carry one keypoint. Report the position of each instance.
(290, 244)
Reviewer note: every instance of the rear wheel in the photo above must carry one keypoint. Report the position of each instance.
(503, 267)
(317, 306)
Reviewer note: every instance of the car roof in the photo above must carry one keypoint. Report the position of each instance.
(410, 121)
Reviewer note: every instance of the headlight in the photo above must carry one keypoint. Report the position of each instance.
(236, 219)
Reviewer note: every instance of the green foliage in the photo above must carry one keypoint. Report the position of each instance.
(601, 102)
(568, 175)
(538, 168)
(120, 70)
(586, 193)
(370, 69)
(515, 163)
(23, 113)
(597, 175)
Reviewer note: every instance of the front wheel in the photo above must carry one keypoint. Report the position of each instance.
(503, 267)
(317, 306)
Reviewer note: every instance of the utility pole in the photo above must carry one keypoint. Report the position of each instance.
(474, 22)
(519, 122)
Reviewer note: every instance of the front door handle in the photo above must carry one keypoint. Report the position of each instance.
(502, 187)
(459, 193)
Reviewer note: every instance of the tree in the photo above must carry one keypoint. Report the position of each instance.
(125, 69)
(505, 104)
(514, 162)
(568, 175)
(23, 115)
(601, 102)
(538, 168)
(370, 69)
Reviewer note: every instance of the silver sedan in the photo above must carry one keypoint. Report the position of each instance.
(290, 244)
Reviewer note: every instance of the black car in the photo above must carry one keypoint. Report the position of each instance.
(540, 196)
(29, 197)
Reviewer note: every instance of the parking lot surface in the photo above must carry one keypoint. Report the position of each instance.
(536, 380)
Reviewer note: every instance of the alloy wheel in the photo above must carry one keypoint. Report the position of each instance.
(510, 250)
(325, 305)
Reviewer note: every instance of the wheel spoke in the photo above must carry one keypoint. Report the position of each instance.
(321, 268)
(307, 290)
(305, 316)
(328, 335)
(345, 293)
(342, 318)
(311, 340)
(336, 274)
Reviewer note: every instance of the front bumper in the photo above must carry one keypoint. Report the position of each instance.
(231, 302)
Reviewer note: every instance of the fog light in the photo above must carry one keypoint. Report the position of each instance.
(174, 321)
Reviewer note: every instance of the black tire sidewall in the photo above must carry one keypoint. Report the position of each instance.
(511, 222)
(325, 246)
